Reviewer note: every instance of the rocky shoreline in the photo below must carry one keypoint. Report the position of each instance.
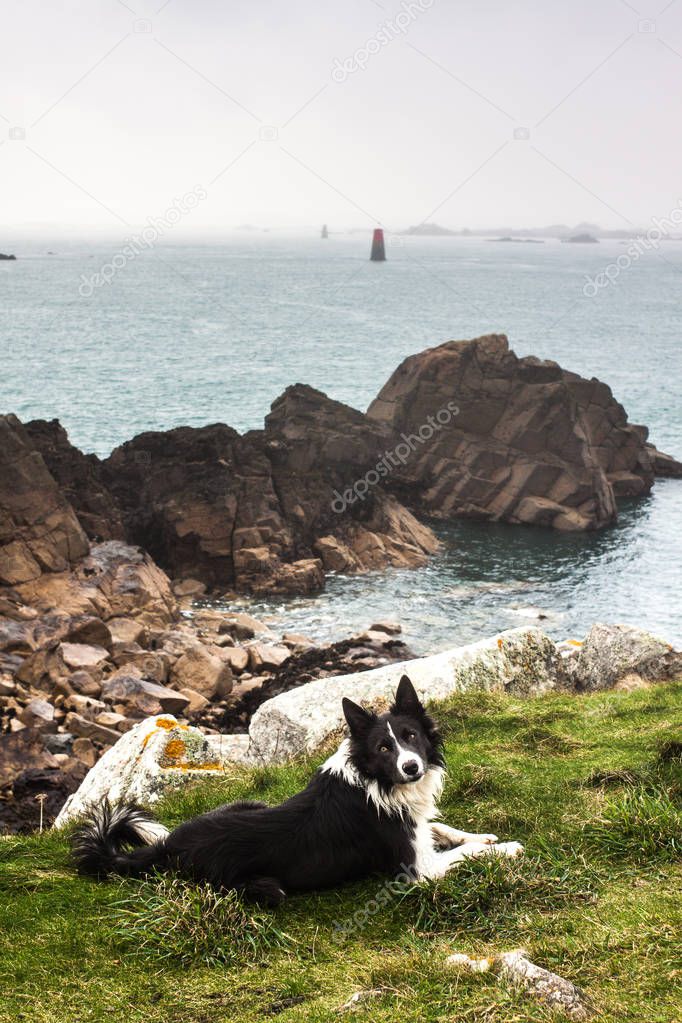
(466, 429)
(101, 561)
(122, 647)
(162, 752)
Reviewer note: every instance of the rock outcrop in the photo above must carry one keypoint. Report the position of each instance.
(254, 513)
(319, 448)
(529, 442)
(113, 580)
(81, 480)
(464, 429)
(39, 531)
(615, 654)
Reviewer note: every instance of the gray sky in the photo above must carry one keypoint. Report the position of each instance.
(126, 106)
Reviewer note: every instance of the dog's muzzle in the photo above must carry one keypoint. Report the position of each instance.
(412, 770)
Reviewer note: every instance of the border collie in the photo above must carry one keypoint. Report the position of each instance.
(369, 809)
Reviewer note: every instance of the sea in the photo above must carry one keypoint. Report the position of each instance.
(188, 334)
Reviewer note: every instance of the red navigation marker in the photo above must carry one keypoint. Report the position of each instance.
(378, 249)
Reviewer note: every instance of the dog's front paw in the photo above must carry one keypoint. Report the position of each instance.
(471, 849)
(487, 839)
(511, 849)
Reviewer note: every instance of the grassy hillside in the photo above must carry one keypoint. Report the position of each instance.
(591, 785)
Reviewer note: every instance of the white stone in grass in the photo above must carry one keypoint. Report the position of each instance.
(515, 968)
(523, 662)
(157, 754)
(609, 653)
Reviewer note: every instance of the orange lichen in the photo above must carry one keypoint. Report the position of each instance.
(166, 723)
(500, 643)
(174, 748)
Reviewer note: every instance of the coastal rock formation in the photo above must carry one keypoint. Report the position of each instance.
(529, 443)
(321, 450)
(254, 513)
(194, 497)
(113, 580)
(465, 429)
(39, 531)
(80, 479)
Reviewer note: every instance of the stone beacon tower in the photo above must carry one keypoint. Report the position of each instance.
(378, 249)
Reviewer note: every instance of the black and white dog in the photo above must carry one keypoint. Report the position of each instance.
(369, 809)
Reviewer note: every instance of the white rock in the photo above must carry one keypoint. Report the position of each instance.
(230, 748)
(152, 757)
(611, 652)
(515, 968)
(520, 661)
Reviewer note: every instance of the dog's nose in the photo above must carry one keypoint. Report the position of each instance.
(411, 768)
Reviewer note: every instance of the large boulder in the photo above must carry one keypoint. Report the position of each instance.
(154, 756)
(39, 531)
(610, 653)
(114, 580)
(520, 661)
(488, 435)
(203, 670)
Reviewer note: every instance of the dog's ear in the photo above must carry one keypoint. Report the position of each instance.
(359, 720)
(406, 699)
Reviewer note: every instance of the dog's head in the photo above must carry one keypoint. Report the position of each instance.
(396, 748)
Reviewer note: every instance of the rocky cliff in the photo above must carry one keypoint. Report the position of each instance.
(39, 531)
(464, 429)
(529, 443)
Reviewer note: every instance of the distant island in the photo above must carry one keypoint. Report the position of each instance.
(582, 233)
(431, 230)
(528, 241)
(4, 256)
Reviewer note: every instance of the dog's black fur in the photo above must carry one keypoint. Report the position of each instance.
(352, 820)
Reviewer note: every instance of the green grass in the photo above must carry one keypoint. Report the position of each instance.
(591, 785)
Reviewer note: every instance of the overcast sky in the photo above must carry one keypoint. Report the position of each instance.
(264, 104)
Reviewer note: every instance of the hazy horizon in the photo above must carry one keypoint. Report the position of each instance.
(390, 113)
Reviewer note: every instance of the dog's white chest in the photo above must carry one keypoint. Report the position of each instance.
(425, 854)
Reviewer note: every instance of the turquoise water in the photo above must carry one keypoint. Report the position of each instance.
(193, 334)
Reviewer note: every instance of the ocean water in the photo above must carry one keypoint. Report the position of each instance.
(194, 334)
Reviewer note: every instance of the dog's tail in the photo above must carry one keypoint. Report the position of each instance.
(118, 840)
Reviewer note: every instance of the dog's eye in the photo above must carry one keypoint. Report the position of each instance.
(384, 749)
(410, 735)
